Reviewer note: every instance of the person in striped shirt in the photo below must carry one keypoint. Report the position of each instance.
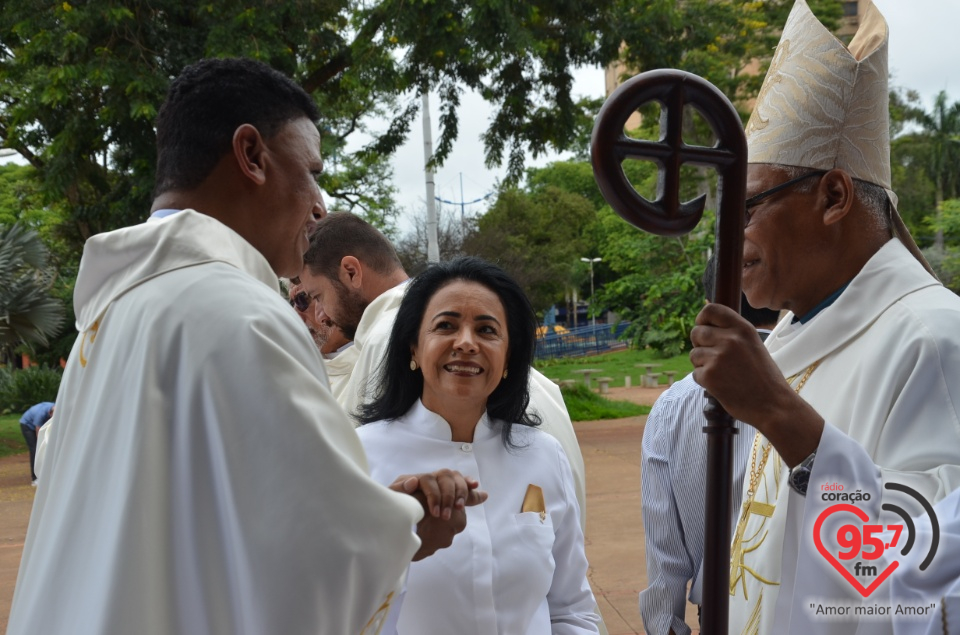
(673, 481)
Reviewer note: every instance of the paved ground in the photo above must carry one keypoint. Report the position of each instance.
(16, 498)
(611, 452)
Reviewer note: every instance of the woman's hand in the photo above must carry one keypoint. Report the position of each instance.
(444, 495)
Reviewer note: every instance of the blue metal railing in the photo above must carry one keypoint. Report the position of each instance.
(580, 341)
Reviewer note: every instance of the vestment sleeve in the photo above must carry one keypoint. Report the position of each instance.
(547, 401)
(276, 486)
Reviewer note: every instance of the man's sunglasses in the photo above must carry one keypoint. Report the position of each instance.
(301, 302)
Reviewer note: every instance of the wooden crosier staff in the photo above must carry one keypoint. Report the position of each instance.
(668, 216)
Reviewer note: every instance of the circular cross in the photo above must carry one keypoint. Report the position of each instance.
(673, 89)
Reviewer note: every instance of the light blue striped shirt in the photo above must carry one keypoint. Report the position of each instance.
(673, 481)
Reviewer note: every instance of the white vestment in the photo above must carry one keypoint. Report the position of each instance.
(511, 571)
(889, 364)
(371, 341)
(339, 369)
(200, 477)
(370, 345)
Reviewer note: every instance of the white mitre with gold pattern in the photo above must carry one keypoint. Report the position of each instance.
(824, 105)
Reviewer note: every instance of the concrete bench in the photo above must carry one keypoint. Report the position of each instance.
(568, 383)
(604, 384)
(670, 374)
(586, 372)
(652, 380)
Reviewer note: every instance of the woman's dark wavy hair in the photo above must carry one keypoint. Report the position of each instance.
(400, 388)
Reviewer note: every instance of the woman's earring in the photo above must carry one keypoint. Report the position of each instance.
(413, 364)
(504, 373)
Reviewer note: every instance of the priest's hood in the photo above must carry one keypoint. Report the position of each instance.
(117, 261)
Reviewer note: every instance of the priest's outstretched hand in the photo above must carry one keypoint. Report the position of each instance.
(444, 495)
(732, 364)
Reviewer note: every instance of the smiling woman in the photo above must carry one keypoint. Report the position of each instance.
(454, 393)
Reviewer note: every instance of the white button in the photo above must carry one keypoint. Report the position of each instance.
(467, 447)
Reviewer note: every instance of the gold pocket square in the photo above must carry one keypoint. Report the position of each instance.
(533, 502)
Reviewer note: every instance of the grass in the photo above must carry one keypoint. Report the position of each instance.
(11, 440)
(585, 405)
(616, 365)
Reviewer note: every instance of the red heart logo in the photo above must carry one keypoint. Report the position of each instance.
(862, 515)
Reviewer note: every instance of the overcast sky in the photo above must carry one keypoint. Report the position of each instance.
(924, 56)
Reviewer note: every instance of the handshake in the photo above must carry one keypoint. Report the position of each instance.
(444, 496)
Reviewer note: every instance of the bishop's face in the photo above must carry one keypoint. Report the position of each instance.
(784, 251)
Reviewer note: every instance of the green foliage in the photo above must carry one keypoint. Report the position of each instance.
(946, 262)
(657, 281)
(926, 161)
(948, 220)
(616, 365)
(585, 405)
(11, 439)
(21, 201)
(20, 389)
(716, 39)
(80, 84)
(28, 314)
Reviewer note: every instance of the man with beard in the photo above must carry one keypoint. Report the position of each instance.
(356, 279)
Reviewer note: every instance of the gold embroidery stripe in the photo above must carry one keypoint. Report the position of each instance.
(761, 509)
(752, 626)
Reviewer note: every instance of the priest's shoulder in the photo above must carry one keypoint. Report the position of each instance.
(219, 299)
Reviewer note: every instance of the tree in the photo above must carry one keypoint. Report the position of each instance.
(451, 234)
(939, 138)
(656, 281)
(28, 315)
(908, 161)
(946, 262)
(538, 237)
(80, 84)
(728, 42)
(21, 201)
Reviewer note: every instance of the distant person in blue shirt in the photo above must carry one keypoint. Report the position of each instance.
(30, 423)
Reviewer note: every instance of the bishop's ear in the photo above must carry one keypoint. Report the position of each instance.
(837, 195)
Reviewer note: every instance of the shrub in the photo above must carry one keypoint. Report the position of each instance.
(585, 405)
(20, 389)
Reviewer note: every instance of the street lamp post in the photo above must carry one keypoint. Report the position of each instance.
(591, 261)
